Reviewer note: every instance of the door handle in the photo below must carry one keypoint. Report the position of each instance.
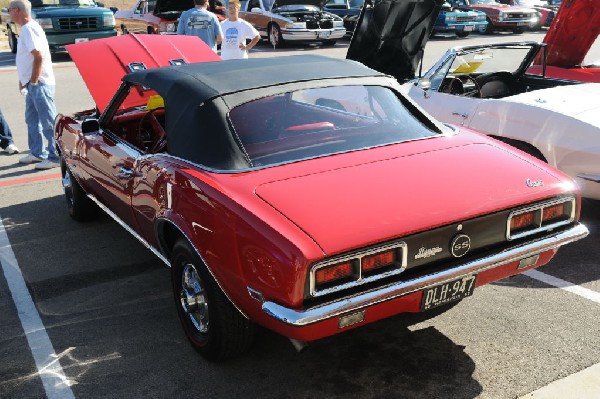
(461, 114)
(127, 173)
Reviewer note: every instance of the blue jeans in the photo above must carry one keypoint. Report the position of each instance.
(5, 133)
(40, 112)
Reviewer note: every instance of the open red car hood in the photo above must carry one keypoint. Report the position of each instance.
(344, 208)
(572, 33)
(102, 63)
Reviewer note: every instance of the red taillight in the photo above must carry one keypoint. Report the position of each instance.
(553, 212)
(378, 260)
(334, 272)
(524, 220)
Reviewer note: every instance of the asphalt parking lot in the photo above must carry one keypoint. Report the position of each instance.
(86, 311)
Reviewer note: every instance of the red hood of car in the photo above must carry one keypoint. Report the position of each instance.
(345, 208)
(102, 63)
(572, 33)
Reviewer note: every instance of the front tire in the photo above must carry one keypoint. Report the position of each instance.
(488, 29)
(12, 41)
(81, 208)
(329, 42)
(214, 327)
(462, 34)
(275, 37)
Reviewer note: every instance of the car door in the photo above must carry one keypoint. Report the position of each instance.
(445, 107)
(109, 165)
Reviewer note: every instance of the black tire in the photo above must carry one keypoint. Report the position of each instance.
(124, 29)
(275, 37)
(518, 30)
(81, 208)
(489, 28)
(214, 327)
(329, 42)
(462, 34)
(12, 41)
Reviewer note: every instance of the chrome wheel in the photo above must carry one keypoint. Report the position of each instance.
(275, 36)
(194, 300)
(68, 187)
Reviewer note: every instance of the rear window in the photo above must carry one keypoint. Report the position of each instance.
(316, 122)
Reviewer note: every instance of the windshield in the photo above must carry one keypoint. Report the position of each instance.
(81, 3)
(316, 122)
(491, 2)
(505, 58)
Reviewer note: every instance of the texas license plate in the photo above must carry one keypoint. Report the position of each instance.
(448, 292)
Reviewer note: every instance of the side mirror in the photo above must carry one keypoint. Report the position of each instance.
(90, 126)
(425, 84)
(256, 10)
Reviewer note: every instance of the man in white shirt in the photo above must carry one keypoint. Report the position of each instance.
(36, 81)
(236, 31)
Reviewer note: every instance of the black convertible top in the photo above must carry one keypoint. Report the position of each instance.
(199, 96)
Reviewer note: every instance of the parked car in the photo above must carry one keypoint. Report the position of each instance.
(305, 194)
(157, 16)
(348, 10)
(493, 89)
(281, 21)
(546, 11)
(501, 16)
(458, 22)
(64, 22)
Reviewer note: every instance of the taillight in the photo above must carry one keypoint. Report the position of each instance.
(333, 273)
(522, 221)
(553, 212)
(377, 261)
(540, 217)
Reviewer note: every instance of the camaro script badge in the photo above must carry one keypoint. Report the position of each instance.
(534, 183)
(426, 253)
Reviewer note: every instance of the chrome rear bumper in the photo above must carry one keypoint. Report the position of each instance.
(299, 318)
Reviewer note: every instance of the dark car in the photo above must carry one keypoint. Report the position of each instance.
(300, 193)
(349, 10)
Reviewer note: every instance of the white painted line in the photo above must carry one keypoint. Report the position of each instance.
(582, 385)
(55, 382)
(565, 285)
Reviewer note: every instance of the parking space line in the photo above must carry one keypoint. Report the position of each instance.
(16, 182)
(565, 285)
(48, 365)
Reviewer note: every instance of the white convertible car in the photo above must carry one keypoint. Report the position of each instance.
(501, 90)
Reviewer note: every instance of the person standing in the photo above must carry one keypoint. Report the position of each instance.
(6, 140)
(36, 81)
(200, 22)
(237, 31)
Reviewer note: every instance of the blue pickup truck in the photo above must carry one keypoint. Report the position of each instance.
(65, 22)
(458, 22)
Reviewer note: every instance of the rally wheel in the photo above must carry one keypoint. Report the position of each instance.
(275, 37)
(81, 208)
(214, 327)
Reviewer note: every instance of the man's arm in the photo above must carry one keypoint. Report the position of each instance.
(252, 43)
(37, 66)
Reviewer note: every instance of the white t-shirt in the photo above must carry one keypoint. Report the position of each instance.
(234, 34)
(33, 37)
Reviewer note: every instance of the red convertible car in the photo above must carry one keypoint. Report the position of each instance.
(305, 194)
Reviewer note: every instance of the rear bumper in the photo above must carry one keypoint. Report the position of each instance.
(491, 268)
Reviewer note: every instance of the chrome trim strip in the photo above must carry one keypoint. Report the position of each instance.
(129, 229)
(585, 176)
(300, 318)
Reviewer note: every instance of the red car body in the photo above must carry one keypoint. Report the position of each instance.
(502, 16)
(307, 247)
(569, 38)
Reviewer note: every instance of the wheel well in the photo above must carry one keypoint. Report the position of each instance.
(523, 146)
(168, 235)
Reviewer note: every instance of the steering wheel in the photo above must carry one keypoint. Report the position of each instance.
(151, 134)
(464, 85)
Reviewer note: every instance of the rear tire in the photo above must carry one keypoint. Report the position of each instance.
(214, 327)
(329, 42)
(518, 30)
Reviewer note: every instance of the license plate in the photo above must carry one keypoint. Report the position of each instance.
(468, 28)
(81, 39)
(448, 292)
(324, 35)
(521, 23)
